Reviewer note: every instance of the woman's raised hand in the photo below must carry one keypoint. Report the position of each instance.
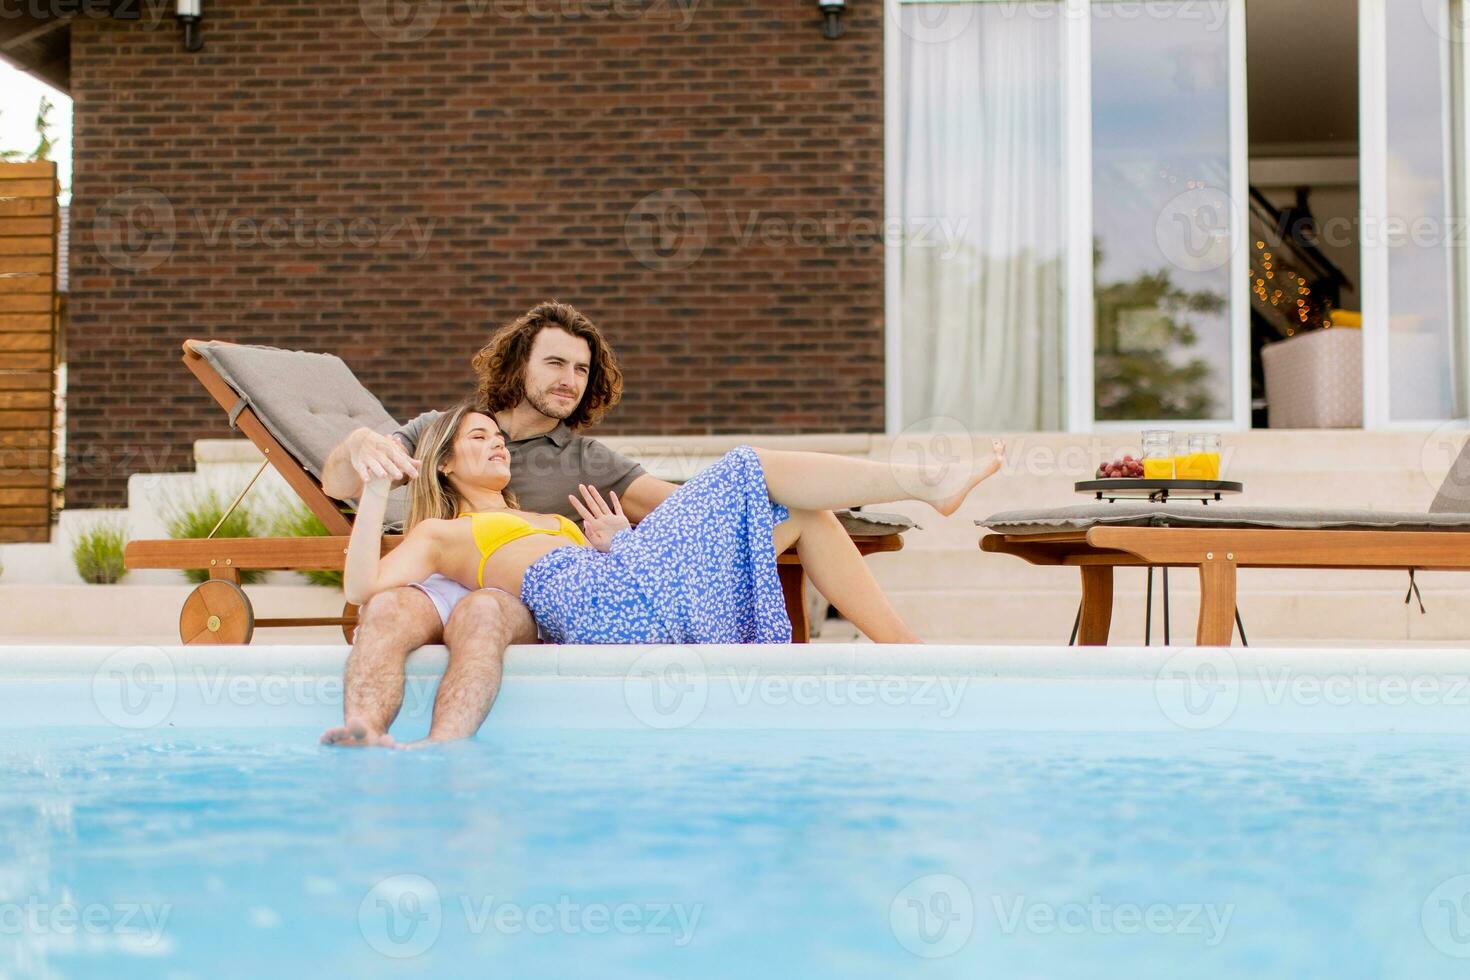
(600, 522)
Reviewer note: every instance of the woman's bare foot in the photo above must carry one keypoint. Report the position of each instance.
(355, 734)
(986, 471)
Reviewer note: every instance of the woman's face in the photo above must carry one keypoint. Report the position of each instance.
(478, 457)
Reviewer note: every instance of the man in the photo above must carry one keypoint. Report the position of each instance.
(542, 377)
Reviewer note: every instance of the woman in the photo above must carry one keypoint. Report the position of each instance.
(700, 569)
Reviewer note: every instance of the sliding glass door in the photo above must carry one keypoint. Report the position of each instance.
(1414, 236)
(1162, 212)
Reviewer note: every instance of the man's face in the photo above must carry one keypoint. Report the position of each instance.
(556, 372)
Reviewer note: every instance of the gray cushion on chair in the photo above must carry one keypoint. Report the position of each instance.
(868, 524)
(308, 401)
(1192, 514)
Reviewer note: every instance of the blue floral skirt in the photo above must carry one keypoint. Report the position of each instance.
(700, 569)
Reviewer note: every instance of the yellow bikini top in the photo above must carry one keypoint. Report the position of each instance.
(494, 530)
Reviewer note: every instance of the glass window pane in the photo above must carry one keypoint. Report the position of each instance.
(983, 201)
(1424, 348)
(1161, 180)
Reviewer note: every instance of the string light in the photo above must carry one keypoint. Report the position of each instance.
(1309, 312)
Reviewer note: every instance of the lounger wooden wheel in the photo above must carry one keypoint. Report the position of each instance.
(217, 612)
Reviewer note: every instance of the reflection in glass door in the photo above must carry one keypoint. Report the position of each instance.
(1425, 346)
(1163, 219)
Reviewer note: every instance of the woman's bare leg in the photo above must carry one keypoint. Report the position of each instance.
(839, 573)
(823, 481)
(390, 626)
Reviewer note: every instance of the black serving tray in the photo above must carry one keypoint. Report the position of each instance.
(1158, 491)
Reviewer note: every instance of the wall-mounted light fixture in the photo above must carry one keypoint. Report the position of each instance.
(190, 13)
(832, 17)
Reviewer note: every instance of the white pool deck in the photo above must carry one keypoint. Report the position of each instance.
(1181, 691)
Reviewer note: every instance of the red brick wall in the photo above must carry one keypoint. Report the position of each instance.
(522, 138)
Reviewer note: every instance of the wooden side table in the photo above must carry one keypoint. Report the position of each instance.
(1114, 489)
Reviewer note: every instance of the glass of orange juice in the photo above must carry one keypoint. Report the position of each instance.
(1184, 468)
(1204, 455)
(1158, 454)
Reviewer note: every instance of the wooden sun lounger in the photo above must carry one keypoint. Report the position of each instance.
(1439, 541)
(219, 611)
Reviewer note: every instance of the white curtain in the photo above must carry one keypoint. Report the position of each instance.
(983, 194)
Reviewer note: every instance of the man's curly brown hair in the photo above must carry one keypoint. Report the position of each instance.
(500, 366)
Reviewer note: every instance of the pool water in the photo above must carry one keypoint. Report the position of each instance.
(254, 852)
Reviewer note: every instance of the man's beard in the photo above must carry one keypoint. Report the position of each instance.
(552, 408)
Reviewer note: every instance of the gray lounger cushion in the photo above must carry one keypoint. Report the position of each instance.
(1192, 514)
(867, 524)
(308, 401)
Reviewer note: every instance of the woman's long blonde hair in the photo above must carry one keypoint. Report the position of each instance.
(429, 493)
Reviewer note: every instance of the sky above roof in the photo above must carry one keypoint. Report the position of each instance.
(20, 94)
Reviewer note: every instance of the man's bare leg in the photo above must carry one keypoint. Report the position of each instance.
(390, 627)
(482, 625)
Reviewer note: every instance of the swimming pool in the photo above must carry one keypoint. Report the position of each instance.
(833, 811)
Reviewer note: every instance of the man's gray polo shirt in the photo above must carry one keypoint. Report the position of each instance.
(545, 469)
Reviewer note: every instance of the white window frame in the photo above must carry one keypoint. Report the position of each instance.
(1373, 191)
(1373, 200)
(1459, 169)
(1077, 150)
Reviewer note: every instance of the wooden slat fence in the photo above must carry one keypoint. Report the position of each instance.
(28, 348)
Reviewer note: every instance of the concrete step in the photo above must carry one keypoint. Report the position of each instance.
(1384, 490)
(970, 569)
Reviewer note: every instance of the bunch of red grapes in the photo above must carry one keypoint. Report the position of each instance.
(1125, 468)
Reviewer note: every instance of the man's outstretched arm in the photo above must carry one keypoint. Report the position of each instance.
(363, 456)
(643, 495)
